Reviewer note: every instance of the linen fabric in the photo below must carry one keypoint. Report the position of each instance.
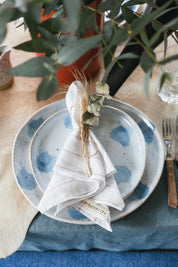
(69, 184)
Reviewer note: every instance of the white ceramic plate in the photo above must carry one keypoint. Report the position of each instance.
(119, 134)
(153, 168)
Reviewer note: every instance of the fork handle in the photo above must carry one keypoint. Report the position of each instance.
(171, 183)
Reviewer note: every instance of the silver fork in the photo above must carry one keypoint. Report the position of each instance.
(167, 131)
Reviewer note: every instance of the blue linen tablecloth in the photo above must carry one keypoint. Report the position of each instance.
(152, 226)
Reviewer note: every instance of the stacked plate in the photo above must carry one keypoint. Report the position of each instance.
(128, 136)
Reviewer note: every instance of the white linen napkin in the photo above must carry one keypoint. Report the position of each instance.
(69, 186)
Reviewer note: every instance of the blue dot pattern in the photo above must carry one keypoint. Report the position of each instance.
(147, 131)
(26, 180)
(45, 162)
(123, 174)
(33, 126)
(120, 135)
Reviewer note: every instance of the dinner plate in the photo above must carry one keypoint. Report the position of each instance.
(153, 168)
(119, 134)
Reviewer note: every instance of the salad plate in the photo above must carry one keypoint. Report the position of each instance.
(118, 133)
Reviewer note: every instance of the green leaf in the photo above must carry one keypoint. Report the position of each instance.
(87, 22)
(32, 68)
(144, 38)
(60, 24)
(137, 2)
(108, 55)
(53, 40)
(106, 5)
(28, 46)
(146, 82)
(139, 24)
(72, 51)
(50, 6)
(107, 71)
(165, 43)
(32, 18)
(7, 15)
(169, 59)
(91, 59)
(115, 9)
(146, 62)
(73, 12)
(102, 88)
(127, 55)
(128, 15)
(162, 29)
(119, 36)
(165, 76)
(47, 87)
(108, 31)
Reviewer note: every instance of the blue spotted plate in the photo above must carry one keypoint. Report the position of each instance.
(119, 134)
(153, 168)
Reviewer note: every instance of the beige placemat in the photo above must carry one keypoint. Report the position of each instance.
(17, 104)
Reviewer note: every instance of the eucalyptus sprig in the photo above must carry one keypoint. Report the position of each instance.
(96, 102)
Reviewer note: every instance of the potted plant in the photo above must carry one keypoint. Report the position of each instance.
(63, 37)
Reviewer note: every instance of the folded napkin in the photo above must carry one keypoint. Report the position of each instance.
(71, 186)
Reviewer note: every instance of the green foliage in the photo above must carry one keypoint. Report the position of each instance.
(47, 87)
(91, 116)
(64, 38)
(34, 67)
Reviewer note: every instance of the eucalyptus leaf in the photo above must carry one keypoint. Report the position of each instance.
(94, 108)
(7, 14)
(108, 55)
(50, 6)
(107, 70)
(169, 59)
(138, 24)
(73, 12)
(102, 88)
(165, 43)
(116, 8)
(162, 29)
(91, 59)
(146, 82)
(127, 55)
(108, 31)
(93, 121)
(60, 24)
(165, 76)
(47, 87)
(120, 36)
(144, 38)
(140, 2)
(106, 5)
(32, 68)
(28, 46)
(72, 51)
(128, 15)
(87, 22)
(146, 62)
(53, 40)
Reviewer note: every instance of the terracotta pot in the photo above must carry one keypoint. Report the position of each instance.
(65, 74)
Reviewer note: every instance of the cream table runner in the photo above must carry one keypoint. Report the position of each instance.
(17, 104)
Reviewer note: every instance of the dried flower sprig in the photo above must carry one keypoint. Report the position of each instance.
(96, 102)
